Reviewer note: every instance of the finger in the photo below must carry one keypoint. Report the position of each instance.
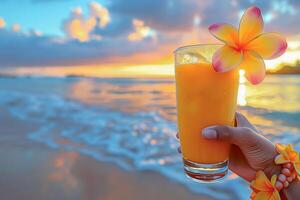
(179, 150)
(242, 121)
(239, 164)
(286, 184)
(278, 185)
(294, 175)
(289, 179)
(281, 178)
(243, 137)
(288, 165)
(286, 171)
(235, 135)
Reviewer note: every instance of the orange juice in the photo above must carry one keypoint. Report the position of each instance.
(204, 98)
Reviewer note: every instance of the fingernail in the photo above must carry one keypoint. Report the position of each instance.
(209, 133)
(288, 165)
(286, 171)
(278, 185)
(179, 150)
(282, 178)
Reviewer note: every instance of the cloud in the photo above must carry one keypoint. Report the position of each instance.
(49, 1)
(120, 26)
(167, 15)
(36, 33)
(133, 31)
(18, 49)
(178, 15)
(81, 27)
(2, 22)
(16, 27)
(101, 13)
(279, 15)
(140, 31)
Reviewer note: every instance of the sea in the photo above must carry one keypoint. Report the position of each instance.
(131, 122)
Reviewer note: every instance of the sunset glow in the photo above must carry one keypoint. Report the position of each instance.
(107, 40)
(106, 99)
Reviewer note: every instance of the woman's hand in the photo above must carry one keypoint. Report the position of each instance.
(250, 151)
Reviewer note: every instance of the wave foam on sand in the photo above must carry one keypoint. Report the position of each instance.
(134, 141)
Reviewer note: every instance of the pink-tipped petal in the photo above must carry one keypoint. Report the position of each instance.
(254, 67)
(251, 25)
(275, 196)
(263, 195)
(268, 45)
(224, 32)
(226, 58)
(280, 159)
(261, 182)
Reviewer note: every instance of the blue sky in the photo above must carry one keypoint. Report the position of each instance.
(42, 15)
(81, 32)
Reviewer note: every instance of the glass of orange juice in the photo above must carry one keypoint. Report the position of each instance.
(204, 98)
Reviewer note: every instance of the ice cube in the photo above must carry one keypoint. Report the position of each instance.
(189, 58)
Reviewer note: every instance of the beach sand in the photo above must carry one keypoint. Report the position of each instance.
(31, 171)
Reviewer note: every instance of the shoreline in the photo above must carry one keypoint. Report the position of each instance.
(78, 76)
(30, 170)
(38, 173)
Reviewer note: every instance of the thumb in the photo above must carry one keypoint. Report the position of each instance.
(242, 121)
(240, 136)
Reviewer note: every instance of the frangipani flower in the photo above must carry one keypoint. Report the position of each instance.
(246, 47)
(263, 189)
(288, 155)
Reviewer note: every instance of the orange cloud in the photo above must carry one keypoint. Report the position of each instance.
(80, 27)
(16, 27)
(100, 12)
(2, 22)
(140, 31)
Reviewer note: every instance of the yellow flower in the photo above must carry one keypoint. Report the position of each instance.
(246, 47)
(288, 155)
(263, 189)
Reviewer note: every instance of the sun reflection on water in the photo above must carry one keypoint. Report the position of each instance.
(62, 165)
(276, 93)
(129, 95)
(242, 89)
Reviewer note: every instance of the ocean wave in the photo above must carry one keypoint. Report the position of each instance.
(279, 117)
(289, 118)
(114, 80)
(135, 141)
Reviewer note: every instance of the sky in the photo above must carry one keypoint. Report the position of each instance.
(80, 35)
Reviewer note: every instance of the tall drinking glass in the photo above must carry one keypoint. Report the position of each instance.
(204, 98)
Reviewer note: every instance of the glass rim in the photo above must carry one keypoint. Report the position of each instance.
(195, 46)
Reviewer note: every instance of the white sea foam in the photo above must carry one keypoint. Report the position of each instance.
(139, 140)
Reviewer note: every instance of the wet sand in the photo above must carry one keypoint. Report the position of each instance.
(31, 171)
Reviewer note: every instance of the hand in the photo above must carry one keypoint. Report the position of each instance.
(250, 151)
